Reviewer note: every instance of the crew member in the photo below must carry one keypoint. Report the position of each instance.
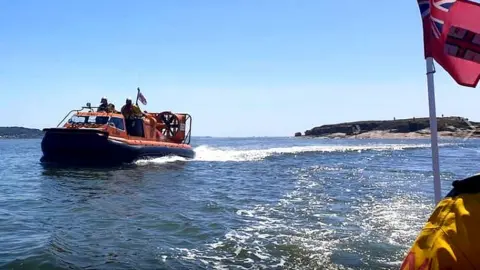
(103, 105)
(111, 108)
(131, 111)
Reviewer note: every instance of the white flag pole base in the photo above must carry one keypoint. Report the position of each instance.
(433, 129)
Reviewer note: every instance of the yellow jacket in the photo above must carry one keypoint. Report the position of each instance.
(132, 112)
(451, 237)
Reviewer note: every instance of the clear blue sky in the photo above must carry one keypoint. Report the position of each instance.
(240, 67)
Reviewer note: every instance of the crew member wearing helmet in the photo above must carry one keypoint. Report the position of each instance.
(106, 107)
(131, 111)
(103, 105)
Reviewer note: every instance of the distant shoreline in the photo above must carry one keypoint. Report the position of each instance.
(412, 128)
(20, 133)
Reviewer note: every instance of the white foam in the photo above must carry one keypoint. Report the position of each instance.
(224, 154)
(208, 153)
(161, 160)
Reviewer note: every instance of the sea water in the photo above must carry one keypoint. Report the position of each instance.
(242, 203)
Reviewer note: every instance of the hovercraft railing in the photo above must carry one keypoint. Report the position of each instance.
(78, 110)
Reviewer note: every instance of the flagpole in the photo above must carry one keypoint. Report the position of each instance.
(138, 91)
(433, 129)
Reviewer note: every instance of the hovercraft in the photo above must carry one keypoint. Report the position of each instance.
(108, 138)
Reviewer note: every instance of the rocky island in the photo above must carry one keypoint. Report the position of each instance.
(20, 133)
(453, 126)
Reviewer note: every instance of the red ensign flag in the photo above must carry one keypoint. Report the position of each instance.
(451, 35)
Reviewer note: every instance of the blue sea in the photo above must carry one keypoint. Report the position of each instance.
(242, 203)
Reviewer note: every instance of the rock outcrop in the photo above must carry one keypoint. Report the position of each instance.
(452, 126)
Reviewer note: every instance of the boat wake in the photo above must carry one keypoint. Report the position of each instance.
(161, 160)
(224, 154)
(319, 224)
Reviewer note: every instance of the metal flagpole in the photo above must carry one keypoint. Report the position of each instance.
(433, 129)
(138, 91)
